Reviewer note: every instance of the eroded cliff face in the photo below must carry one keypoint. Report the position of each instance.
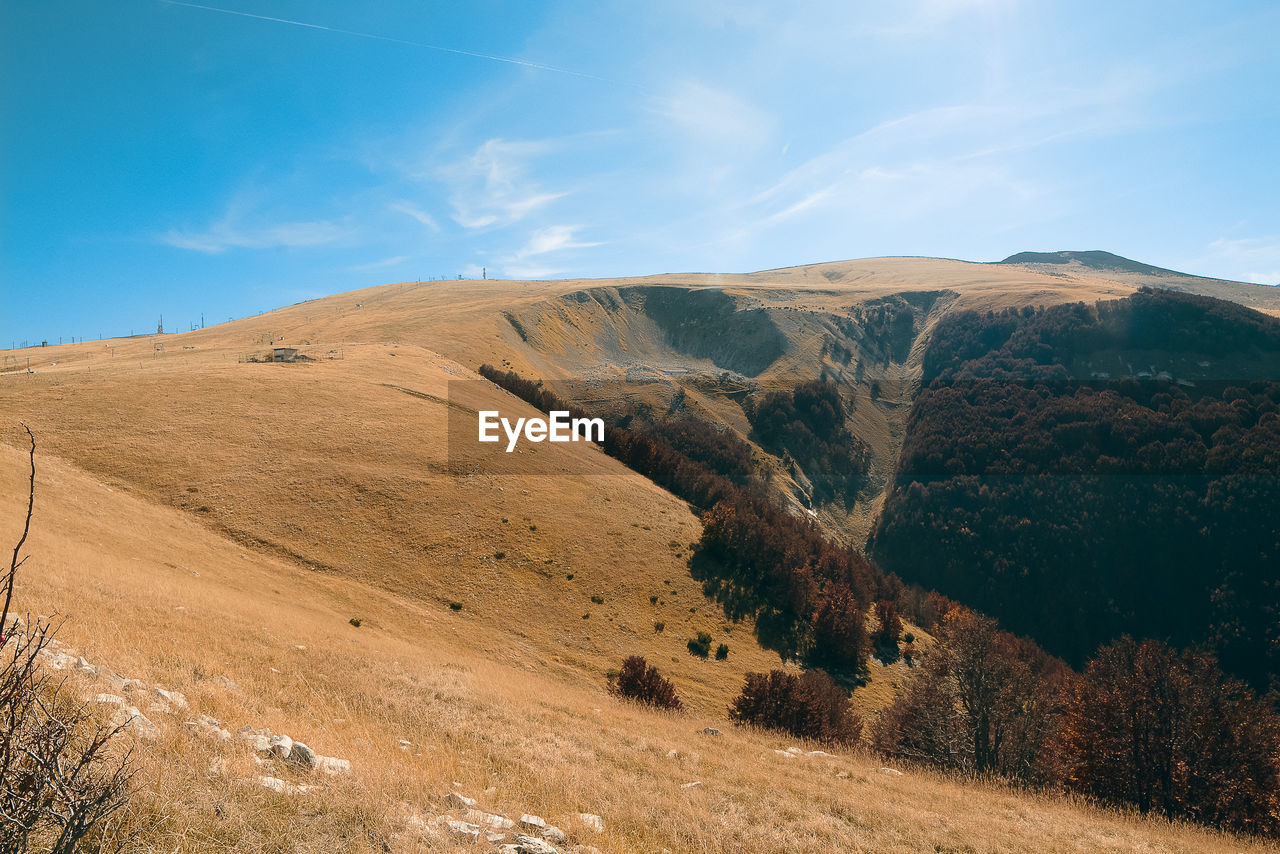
(652, 352)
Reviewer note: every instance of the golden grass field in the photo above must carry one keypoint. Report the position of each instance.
(198, 517)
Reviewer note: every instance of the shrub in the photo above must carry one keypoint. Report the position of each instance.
(499, 555)
(659, 626)
(598, 599)
(810, 705)
(355, 621)
(61, 776)
(888, 626)
(639, 681)
(701, 645)
(722, 652)
(653, 600)
(457, 606)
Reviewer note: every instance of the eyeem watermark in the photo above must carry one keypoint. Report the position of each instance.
(559, 427)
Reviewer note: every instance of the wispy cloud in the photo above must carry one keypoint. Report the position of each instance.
(225, 235)
(377, 265)
(491, 187)
(1249, 259)
(374, 36)
(715, 116)
(553, 238)
(414, 212)
(543, 241)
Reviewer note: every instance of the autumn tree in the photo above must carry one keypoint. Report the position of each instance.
(888, 626)
(1169, 733)
(981, 703)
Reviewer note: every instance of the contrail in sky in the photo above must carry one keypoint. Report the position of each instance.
(424, 45)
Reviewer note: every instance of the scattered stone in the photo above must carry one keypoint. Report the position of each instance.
(303, 755)
(554, 834)
(284, 787)
(710, 731)
(457, 801)
(259, 741)
(891, 771)
(533, 821)
(209, 728)
(463, 829)
(172, 698)
(821, 754)
(696, 784)
(281, 746)
(110, 700)
(58, 660)
(672, 754)
(488, 819)
(594, 822)
(226, 683)
(405, 744)
(843, 775)
(785, 754)
(135, 721)
(529, 845)
(332, 766)
(795, 750)
(494, 836)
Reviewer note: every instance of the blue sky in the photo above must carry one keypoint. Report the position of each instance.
(160, 158)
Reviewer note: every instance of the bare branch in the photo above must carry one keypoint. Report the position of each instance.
(26, 529)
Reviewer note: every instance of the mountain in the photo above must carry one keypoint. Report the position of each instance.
(298, 546)
(1106, 265)
(1082, 472)
(1091, 260)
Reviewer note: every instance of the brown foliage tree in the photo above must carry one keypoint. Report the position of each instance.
(640, 681)
(810, 705)
(888, 626)
(1168, 733)
(981, 704)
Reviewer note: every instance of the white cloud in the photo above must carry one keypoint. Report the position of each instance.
(529, 271)
(417, 213)
(714, 116)
(553, 238)
(543, 241)
(225, 235)
(1247, 259)
(377, 265)
(491, 187)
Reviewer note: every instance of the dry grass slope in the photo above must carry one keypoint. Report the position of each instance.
(152, 593)
(201, 517)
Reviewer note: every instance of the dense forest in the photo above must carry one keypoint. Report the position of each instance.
(807, 424)
(1143, 725)
(1076, 504)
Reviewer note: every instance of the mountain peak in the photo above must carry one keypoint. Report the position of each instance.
(1094, 259)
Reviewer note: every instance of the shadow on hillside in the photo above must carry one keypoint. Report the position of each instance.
(775, 629)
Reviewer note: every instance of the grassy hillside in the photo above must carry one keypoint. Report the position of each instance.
(201, 516)
(151, 593)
